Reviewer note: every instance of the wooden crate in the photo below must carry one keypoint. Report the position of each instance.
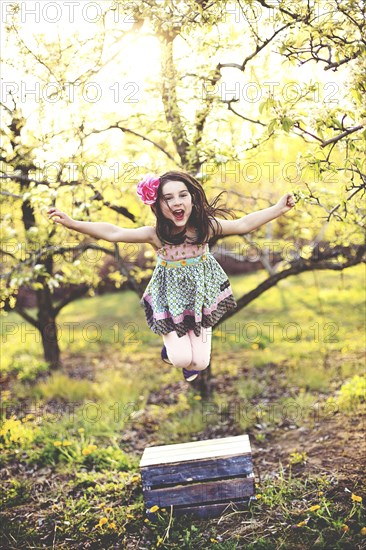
(202, 478)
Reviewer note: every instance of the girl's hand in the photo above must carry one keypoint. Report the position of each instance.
(63, 218)
(286, 203)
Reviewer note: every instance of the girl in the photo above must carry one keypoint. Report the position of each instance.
(189, 291)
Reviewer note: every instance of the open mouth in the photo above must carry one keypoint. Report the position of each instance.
(179, 214)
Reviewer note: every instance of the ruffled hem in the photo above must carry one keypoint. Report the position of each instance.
(189, 322)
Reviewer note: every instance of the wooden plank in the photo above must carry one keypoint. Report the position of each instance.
(200, 493)
(150, 457)
(234, 445)
(189, 457)
(200, 470)
(243, 438)
(208, 510)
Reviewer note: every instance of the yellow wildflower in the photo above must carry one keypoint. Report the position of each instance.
(135, 477)
(57, 443)
(197, 397)
(301, 524)
(363, 531)
(313, 508)
(154, 508)
(89, 449)
(146, 520)
(81, 430)
(108, 509)
(67, 443)
(345, 528)
(356, 498)
(112, 525)
(213, 540)
(130, 516)
(258, 496)
(254, 346)
(103, 521)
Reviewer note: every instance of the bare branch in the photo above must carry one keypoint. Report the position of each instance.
(336, 64)
(75, 294)
(325, 142)
(7, 194)
(297, 125)
(342, 135)
(137, 134)
(230, 101)
(27, 317)
(320, 260)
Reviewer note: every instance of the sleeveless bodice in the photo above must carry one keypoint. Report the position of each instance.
(181, 251)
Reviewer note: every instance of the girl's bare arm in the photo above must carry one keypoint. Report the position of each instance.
(254, 220)
(104, 230)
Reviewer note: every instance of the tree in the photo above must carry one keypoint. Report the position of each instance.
(198, 114)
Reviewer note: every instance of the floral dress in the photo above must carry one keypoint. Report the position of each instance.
(187, 290)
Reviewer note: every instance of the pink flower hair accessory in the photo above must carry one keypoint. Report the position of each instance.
(147, 188)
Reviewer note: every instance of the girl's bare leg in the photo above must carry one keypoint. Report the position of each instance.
(201, 348)
(179, 350)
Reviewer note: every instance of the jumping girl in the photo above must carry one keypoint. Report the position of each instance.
(188, 291)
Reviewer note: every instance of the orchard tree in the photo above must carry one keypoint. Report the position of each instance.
(200, 41)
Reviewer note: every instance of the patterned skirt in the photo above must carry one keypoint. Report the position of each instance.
(187, 294)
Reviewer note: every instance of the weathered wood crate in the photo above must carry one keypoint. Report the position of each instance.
(202, 478)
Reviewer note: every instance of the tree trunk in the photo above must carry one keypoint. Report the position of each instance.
(202, 384)
(48, 328)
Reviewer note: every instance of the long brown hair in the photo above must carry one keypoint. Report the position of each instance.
(202, 211)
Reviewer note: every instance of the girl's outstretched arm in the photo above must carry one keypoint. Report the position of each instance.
(104, 230)
(257, 219)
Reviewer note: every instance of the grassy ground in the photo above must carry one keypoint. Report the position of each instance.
(288, 370)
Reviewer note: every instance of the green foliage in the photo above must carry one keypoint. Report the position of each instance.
(109, 457)
(14, 492)
(351, 395)
(15, 433)
(61, 386)
(27, 367)
(353, 391)
(79, 452)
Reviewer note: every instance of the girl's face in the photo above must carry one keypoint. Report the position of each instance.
(178, 203)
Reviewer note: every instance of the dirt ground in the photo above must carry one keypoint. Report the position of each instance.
(334, 443)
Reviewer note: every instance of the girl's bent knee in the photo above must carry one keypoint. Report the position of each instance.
(200, 365)
(181, 362)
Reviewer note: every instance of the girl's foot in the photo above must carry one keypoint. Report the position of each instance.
(164, 356)
(190, 375)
